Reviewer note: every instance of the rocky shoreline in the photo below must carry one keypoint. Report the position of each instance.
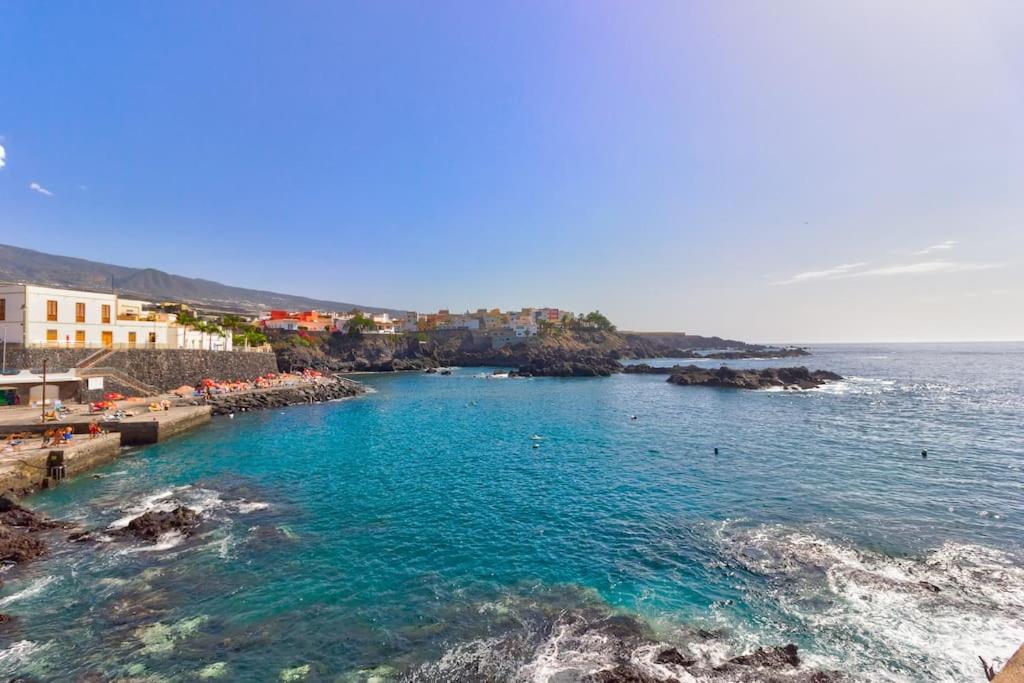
(759, 378)
(580, 353)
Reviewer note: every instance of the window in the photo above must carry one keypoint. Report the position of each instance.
(152, 337)
(107, 338)
(51, 310)
(3, 309)
(79, 337)
(51, 336)
(105, 314)
(79, 312)
(131, 339)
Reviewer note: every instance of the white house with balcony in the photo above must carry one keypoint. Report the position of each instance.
(35, 316)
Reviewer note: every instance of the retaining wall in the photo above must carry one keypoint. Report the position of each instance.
(164, 369)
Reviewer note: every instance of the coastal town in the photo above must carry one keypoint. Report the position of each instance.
(46, 317)
(85, 373)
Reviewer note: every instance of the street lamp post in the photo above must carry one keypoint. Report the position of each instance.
(43, 409)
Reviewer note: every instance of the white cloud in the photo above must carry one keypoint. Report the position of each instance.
(3, 156)
(926, 268)
(948, 244)
(40, 189)
(852, 270)
(826, 274)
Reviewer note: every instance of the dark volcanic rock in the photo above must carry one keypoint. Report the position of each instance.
(19, 546)
(769, 657)
(151, 525)
(799, 377)
(278, 397)
(19, 541)
(553, 366)
(626, 673)
(673, 656)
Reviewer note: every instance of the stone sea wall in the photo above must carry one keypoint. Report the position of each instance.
(163, 369)
(168, 369)
(59, 360)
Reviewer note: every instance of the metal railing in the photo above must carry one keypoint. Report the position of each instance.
(122, 346)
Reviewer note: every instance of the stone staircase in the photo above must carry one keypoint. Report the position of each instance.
(122, 378)
(93, 358)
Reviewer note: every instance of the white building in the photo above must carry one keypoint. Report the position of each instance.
(62, 318)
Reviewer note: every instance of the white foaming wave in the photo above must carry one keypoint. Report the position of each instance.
(155, 501)
(566, 653)
(868, 611)
(856, 385)
(201, 500)
(35, 588)
(18, 653)
(165, 541)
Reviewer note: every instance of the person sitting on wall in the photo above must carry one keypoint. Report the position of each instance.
(67, 435)
(13, 442)
(94, 429)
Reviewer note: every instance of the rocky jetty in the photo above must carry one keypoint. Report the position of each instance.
(278, 397)
(763, 378)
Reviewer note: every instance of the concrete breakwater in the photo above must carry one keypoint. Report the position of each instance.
(328, 389)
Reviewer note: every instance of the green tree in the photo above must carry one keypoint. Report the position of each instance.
(598, 320)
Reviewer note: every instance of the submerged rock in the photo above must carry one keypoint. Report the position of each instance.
(153, 524)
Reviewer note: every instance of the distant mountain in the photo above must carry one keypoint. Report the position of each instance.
(36, 267)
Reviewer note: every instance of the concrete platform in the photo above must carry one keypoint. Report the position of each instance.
(27, 467)
(143, 428)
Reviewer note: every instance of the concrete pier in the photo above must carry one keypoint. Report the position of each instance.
(27, 467)
(144, 428)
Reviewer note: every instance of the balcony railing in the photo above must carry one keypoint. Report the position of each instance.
(122, 346)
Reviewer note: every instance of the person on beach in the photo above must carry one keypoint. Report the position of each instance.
(94, 429)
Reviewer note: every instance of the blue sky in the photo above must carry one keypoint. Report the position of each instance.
(770, 171)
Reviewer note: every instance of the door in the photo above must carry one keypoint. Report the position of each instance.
(131, 339)
(51, 337)
(108, 338)
(79, 338)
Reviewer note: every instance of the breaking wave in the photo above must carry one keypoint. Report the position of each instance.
(883, 617)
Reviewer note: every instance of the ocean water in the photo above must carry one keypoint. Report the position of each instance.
(421, 533)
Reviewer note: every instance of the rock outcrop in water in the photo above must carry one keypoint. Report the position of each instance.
(764, 378)
(150, 526)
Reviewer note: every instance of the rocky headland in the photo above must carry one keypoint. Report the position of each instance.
(757, 378)
(563, 353)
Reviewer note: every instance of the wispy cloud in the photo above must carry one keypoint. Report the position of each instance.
(925, 268)
(36, 187)
(828, 273)
(941, 246)
(856, 270)
(3, 156)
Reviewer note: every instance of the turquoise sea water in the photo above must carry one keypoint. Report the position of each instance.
(418, 533)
